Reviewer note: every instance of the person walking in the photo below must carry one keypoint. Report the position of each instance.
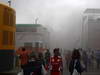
(24, 57)
(68, 58)
(56, 65)
(75, 67)
(97, 57)
(85, 60)
(47, 57)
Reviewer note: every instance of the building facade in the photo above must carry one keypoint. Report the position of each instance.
(91, 29)
(32, 35)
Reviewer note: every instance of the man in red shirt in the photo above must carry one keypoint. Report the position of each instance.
(56, 65)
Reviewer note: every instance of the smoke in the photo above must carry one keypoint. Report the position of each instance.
(62, 17)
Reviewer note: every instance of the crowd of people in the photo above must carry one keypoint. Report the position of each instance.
(77, 61)
(90, 59)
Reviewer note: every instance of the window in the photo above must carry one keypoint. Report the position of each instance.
(6, 17)
(28, 44)
(9, 17)
(41, 45)
(37, 44)
(8, 38)
(5, 38)
(11, 38)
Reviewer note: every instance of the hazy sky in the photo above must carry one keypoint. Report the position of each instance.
(64, 16)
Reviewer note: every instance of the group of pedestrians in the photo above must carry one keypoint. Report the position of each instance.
(31, 62)
(36, 63)
(97, 58)
(75, 66)
(77, 61)
(91, 59)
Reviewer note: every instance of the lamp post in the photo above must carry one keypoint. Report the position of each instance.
(9, 2)
(36, 21)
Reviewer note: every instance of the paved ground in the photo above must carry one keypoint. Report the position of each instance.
(92, 70)
(97, 72)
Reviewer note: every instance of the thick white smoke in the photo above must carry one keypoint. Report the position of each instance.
(64, 17)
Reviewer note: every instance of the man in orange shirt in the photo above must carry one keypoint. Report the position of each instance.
(24, 57)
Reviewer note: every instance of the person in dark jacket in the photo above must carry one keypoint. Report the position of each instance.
(47, 57)
(75, 57)
(32, 64)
